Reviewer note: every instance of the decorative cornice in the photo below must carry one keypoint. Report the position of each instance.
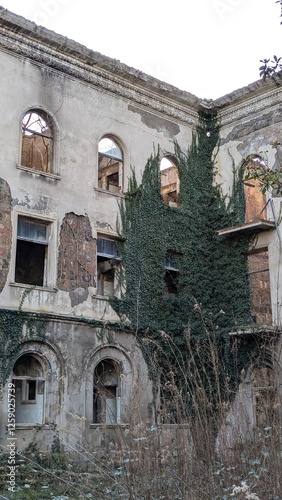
(251, 106)
(25, 39)
(44, 47)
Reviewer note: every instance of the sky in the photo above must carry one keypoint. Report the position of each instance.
(206, 47)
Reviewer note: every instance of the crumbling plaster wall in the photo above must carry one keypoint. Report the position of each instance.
(250, 127)
(70, 351)
(82, 114)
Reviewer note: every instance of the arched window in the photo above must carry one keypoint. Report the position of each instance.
(169, 180)
(37, 141)
(110, 165)
(254, 199)
(106, 404)
(29, 380)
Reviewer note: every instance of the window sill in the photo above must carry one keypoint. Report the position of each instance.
(31, 287)
(109, 426)
(38, 172)
(105, 191)
(104, 297)
(19, 426)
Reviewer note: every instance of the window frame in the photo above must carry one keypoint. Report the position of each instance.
(171, 274)
(113, 259)
(165, 190)
(101, 183)
(50, 260)
(45, 115)
(21, 382)
(97, 412)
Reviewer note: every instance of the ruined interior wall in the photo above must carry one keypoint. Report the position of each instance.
(83, 114)
(70, 351)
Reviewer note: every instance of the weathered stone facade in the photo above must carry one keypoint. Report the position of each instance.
(61, 220)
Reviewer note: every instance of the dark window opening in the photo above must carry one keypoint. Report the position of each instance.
(30, 263)
(112, 181)
(106, 403)
(31, 253)
(108, 263)
(37, 141)
(171, 274)
(31, 395)
(171, 279)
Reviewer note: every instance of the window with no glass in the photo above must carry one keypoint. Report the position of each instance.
(171, 274)
(169, 181)
(106, 404)
(31, 252)
(108, 262)
(37, 141)
(29, 381)
(110, 165)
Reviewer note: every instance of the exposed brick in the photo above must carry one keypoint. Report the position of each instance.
(77, 253)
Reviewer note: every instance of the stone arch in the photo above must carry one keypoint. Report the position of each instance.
(109, 376)
(38, 140)
(38, 371)
(111, 163)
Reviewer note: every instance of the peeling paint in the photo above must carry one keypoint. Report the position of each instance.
(78, 296)
(168, 128)
(5, 231)
(104, 225)
(253, 125)
(42, 203)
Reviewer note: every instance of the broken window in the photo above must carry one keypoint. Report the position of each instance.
(260, 287)
(255, 203)
(106, 407)
(171, 274)
(29, 381)
(108, 263)
(169, 181)
(31, 253)
(265, 398)
(37, 141)
(110, 165)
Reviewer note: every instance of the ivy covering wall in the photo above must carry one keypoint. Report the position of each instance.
(184, 335)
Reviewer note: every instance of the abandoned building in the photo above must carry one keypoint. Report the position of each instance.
(73, 125)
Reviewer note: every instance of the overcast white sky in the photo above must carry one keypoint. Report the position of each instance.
(207, 47)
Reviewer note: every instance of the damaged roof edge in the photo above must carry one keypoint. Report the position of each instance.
(18, 24)
(22, 26)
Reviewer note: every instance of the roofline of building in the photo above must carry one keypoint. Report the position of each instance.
(18, 27)
(108, 69)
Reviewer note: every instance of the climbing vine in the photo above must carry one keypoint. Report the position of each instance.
(13, 325)
(184, 335)
(18, 327)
